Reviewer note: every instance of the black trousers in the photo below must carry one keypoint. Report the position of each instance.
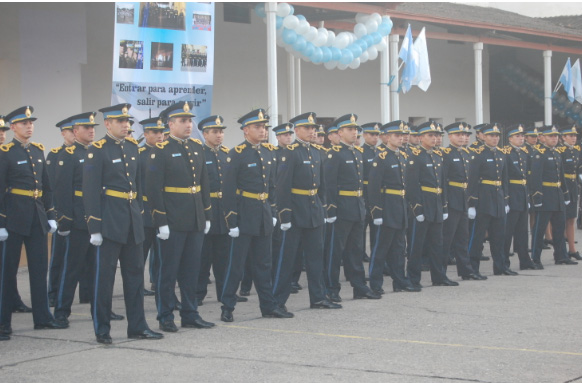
(456, 241)
(300, 260)
(179, 261)
(495, 227)
(346, 241)
(558, 220)
(78, 253)
(37, 257)
(517, 226)
(258, 249)
(214, 254)
(311, 239)
(130, 257)
(389, 247)
(56, 264)
(247, 279)
(151, 247)
(426, 236)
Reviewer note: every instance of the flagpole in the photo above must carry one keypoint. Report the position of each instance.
(394, 75)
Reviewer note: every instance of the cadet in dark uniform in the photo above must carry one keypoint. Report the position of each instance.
(371, 132)
(344, 181)
(571, 162)
(550, 196)
(26, 216)
(113, 210)
(479, 136)
(531, 140)
(300, 198)
(456, 228)
(488, 200)
(428, 201)
(320, 136)
(250, 208)
(389, 210)
(517, 158)
(178, 191)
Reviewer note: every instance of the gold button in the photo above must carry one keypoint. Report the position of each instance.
(128, 174)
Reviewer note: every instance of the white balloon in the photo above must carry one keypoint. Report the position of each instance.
(360, 30)
(341, 40)
(362, 17)
(376, 17)
(352, 38)
(341, 66)
(321, 38)
(290, 22)
(302, 27)
(330, 65)
(371, 26)
(372, 53)
(330, 38)
(355, 64)
(381, 46)
(311, 34)
(283, 9)
(364, 56)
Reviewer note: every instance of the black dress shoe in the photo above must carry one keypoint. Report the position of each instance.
(334, 297)
(566, 261)
(168, 326)
(417, 285)
(446, 282)
(115, 316)
(197, 323)
(470, 277)
(226, 315)
(575, 255)
(481, 277)
(530, 266)
(200, 302)
(62, 320)
(451, 262)
(5, 330)
(4, 337)
(408, 289)
(146, 334)
(379, 291)
(241, 299)
(296, 285)
(103, 338)
(244, 293)
(367, 295)
(505, 272)
(325, 304)
(510, 272)
(21, 308)
(54, 325)
(293, 290)
(278, 313)
(148, 293)
(538, 266)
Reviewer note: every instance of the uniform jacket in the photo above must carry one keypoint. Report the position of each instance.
(144, 154)
(215, 164)
(517, 166)
(488, 164)
(456, 169)
(571, 163)
(547, 167)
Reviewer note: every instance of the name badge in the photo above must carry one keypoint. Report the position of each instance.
(429, 165)
(39, 160)
(515, 162)
(489, 159)
(307, 162)
(251, 165)
(568, 160)
(370, 159)
(81, 161)
(349, 162)
(550, 158)
(208, 162)
(456, 159)
(176, 154)
(116, 160)
(21, 162)
(394, 166)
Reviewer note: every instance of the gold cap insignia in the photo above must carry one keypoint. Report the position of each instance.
(28, 113)
(352, 119)
(495, 128)
(573, 129)
(261, 115)
(535, 130)
(461, 127)
(124, 110)
(186, 107)
(554, 129)
(310, 119)
(520, 129)
(1, 122)
(376, 127)
(401, 126)
(160, 123)
(432, 127)
(287, 128)
(218, 122)
(91, 118)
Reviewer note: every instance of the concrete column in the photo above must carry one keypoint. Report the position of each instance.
(272, 108)
(290, 86)
(478, 49)
(393, 56)
(384, 79)
(548, 87)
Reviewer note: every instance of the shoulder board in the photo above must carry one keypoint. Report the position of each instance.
(224, 149)
(466, 150)
(70, 149)
(478, 149)
(293, 146)
(404, 154)
(336, 148)
(56, 150)
(6, 147)
(577, 147)
(132, 140)
(539, 148)
(359, 148)
(524, 148)
(268, 146)
(561, 149)
(99, 144)
(476, 143)
(40, 146)
(437, 152)
(383, 155)
(507, 149)
(318, 147)
(161, 145)
(381, 149)
(240, 148)
(446, 150)
(141, 149)
(415, 151)
(196, 140)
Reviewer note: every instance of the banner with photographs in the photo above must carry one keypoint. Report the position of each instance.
(163, 53)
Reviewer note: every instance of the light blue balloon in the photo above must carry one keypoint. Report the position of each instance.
(347, 57)
(326, 54)
(299, 44)
(289, 36)
(368, 39)
(362, 44)
(384, 29)
(336, 53)
(317, 55)
(356, 50)
(377, 37)
(279, 22)
(301, 17)
(308, 50)
(260, 10)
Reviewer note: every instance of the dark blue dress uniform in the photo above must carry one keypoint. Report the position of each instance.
(571, 163)
(549, 192)
(387, 200)
(517, 218)
(488, 194)
(427, 197)
(368, 156)
(216, 241)
(250, 205)
(25, 208)
(68, 199)
(178, 191)
(113, 207)
(344, 181)
(456, 226)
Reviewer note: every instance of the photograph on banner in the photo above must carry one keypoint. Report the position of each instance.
(125, 13)
(163, 15)
(130, 54)
(201, 21)
(162, 56)
(194, 57)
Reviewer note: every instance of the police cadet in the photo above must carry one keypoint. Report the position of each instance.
(320, 136)
(517, 157)
(456, 227)
(300, 199)
(344, 181)
(250, 208)
(153, 133)
(389, 210)
(178, 191)
(26, 216)
(571, 162)
(332, 135)
(4, 127)
(488, 200)
(113, 210)
(428, 201)
(550, 196)
(479, 136)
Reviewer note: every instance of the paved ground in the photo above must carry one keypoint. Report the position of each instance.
(506, 329)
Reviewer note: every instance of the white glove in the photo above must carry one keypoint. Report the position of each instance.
(207, 228)
(274, 221)
(445, 216)
(63, 233)
(3, 235)
(420, 218)
(96, 239)
(528, 206)
(506, 209)
(567, 202)
(53, 224)
(234, 232)
(164, 232)
(331, 219)
(286, 226)
(472, 213)
(540, 205)
(580, 177)
(378, 221)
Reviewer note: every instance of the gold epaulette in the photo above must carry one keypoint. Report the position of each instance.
(577, 147)
(40, 146)
(99, 144)
(438, 152)
(292, 146)
(524, 148)
(506, 149)
(404, 154)
(539, 148)
(196, 140)
(336, 148)
(478, 149)
(6, 147)
(141, 149)
(381, 149)
(132, 140)
(70, 149)
(240, 148)
(161, 145)
(320, 147)
(383, 155)
(359, 148)
(56, 150)
(466, 150)
(268, 146)
(414, 150)
(446, 150)
(224, 149)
